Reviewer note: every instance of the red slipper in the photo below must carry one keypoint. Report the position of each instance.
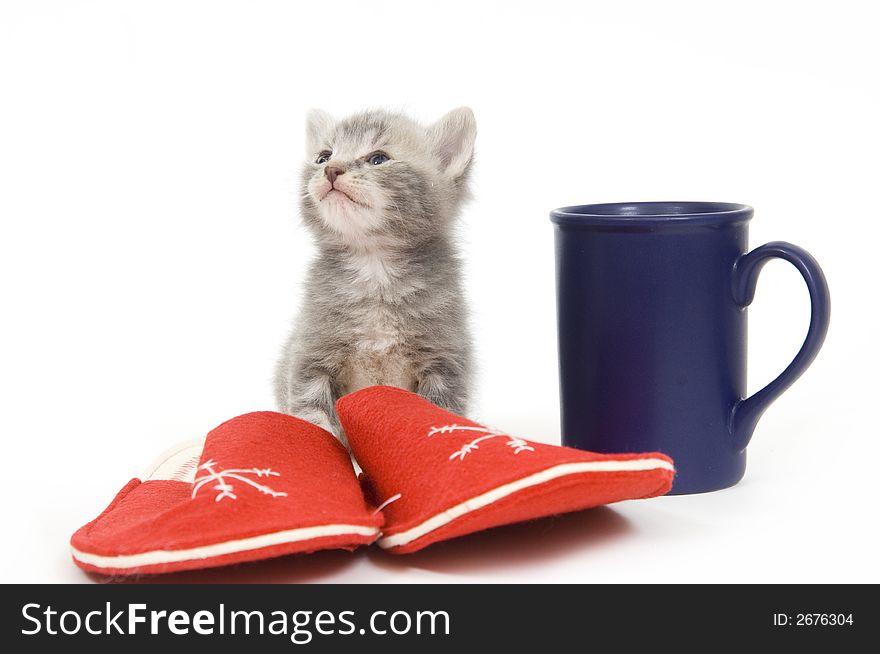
(261, 485)
(443, 476)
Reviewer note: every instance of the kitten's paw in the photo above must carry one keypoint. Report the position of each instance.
(325, 422)
(446, 401)
(318, 418)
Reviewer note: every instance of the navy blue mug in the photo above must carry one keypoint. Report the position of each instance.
(651, 301)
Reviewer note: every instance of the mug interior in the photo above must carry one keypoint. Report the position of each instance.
(631, 213)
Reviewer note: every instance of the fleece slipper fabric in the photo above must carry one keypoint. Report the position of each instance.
(441, 476)
(260, 485)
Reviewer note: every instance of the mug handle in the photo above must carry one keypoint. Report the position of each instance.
(746, 412)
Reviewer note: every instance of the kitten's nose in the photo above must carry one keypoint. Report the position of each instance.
(332, 172)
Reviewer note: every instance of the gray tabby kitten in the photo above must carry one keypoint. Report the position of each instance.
(383, 301)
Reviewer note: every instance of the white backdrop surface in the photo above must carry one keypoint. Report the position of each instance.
(151, 257)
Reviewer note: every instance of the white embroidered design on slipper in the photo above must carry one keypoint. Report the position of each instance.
(225, 489)
(518, 444)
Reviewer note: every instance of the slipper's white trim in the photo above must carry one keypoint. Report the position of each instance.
(500, 492)
(177, 463)
(128, 561)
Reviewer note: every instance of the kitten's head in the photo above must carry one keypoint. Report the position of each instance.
(380, 175)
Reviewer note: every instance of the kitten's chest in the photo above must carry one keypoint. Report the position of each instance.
(377, 328)
(379, 354)
(380, 347)
(376, 289)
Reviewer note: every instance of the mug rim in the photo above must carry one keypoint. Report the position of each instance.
(651, 213)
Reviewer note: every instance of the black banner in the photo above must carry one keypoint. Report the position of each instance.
(279, 618)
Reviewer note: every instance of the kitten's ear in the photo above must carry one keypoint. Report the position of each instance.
(452, 139)
(318, 126)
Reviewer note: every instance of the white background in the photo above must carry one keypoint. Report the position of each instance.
(151, 257)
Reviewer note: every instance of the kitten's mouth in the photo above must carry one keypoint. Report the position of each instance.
(333, 190)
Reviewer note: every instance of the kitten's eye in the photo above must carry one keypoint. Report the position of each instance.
(378, 158)
(324, 157)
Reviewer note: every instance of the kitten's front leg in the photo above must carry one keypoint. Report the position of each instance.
(445, 385)
(311, 394)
